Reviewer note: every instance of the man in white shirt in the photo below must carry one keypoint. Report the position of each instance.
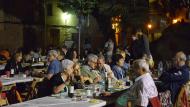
(103, 68)
(144, 87)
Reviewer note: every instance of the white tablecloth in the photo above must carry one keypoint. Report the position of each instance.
(40, 64)
(58, 102)
(13, 80)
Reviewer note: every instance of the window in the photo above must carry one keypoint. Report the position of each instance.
(49, 10)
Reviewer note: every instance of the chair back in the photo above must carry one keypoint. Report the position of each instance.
(3, 98)
(155, 102)
(165, 98)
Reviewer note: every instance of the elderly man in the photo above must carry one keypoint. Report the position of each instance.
(144, 87)
(54, 66)
(89, 71)
(103, 68)
(174, 78)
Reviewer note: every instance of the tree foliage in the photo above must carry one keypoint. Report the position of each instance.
(83, 7)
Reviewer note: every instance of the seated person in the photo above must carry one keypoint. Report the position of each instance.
(13, 65)
(5, 55)
(144, 87)
(174, 78)
(102, 68)
(57, 82)
(89, 71)
(54, 66)
(72, 55)
(117, 68)
(77, 78)
(126, 65)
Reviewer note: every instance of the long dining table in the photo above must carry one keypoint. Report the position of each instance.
(9, 82)
(52, 101)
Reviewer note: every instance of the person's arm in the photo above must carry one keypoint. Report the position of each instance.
(97, 79)
(114, 69)
(171, 77)
(110, 72)
(49, 76)
(50, 71)
(59, 88)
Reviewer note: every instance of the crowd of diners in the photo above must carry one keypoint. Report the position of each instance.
(65, 68)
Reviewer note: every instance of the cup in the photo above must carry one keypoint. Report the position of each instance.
(24, 75)
(88, 93)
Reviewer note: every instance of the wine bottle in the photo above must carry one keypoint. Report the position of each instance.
(12, 72)
(39, 59)
(33, 60)
(106, 82)
(71, 91)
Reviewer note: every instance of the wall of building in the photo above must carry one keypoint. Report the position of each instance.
(59, 22)
(11, 34)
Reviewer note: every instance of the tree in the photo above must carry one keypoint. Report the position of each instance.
(171, 6)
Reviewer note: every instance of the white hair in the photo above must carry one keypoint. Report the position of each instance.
(92, 57)
(53, 52)
(181, 55)
(141, 63)
(66, 63)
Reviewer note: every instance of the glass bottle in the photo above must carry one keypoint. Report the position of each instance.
(106, 82)
(12, 71)
(71, 90)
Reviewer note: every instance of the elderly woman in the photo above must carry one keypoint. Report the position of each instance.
(117, 68)
(59, 81)
(54, 66)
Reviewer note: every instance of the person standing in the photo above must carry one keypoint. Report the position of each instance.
(109, 47)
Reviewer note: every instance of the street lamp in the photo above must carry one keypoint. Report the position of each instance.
(65, 16)
(149, 27)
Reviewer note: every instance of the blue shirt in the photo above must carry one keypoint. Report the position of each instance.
(54, 67)
(119, 72)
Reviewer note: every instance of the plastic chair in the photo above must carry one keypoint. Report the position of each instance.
(3, 98)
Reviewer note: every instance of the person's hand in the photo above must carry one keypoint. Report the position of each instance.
(85, 78)
(97, 79)
(67, 82)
